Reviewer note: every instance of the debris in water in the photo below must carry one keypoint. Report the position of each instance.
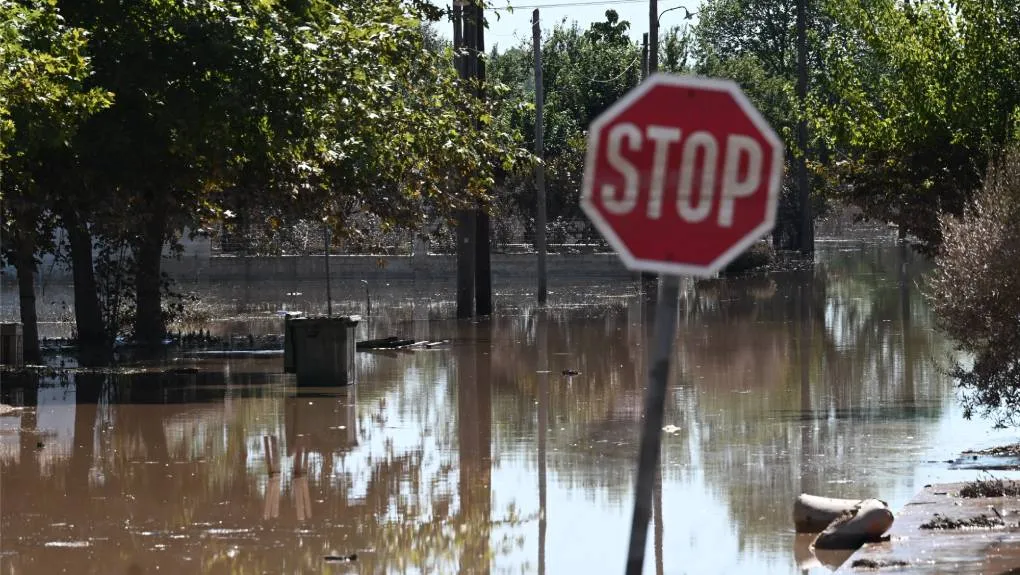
(571, 372)
(394, 342)
(341, 558)
(671, 429)
(69, 544)
(878, 564)
(383, 343)
(9, 409)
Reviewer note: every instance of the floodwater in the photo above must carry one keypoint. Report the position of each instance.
(480, 456)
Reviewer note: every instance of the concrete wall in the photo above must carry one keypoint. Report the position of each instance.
(504, 266)
(199, 267)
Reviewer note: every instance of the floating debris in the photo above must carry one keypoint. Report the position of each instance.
(878, 564)
(391, 342)
(571, 372)
(341, 558)
(239, 353)
(10, 409)
(68, 544)
(394, 342)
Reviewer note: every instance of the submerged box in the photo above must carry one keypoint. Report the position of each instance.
(320, 350)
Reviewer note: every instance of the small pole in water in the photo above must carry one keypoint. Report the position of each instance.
(651, 434)
(540, 244)
(325, 251)
(368, 299)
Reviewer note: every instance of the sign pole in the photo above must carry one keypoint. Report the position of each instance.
(655, 402)
(681, 175)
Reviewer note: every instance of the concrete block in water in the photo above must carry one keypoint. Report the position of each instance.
(320, 350)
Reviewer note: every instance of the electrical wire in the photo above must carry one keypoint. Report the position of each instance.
(566, 4)
(618, 76)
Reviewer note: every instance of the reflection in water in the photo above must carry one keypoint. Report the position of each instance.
(481, 457)
(272, 451)
(543, 372)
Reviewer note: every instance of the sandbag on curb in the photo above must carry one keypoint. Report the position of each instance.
(866, 522)
(812, 514)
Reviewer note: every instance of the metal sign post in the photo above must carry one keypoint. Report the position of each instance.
(655, 404)
(681, 176)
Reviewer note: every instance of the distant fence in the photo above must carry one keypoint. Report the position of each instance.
(308, 238)
(268, 251)
(507, 236)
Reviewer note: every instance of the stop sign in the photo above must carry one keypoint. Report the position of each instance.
(682, 175)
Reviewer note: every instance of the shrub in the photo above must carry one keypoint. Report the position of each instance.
(975, 292)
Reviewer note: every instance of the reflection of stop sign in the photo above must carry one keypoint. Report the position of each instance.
(682, 175)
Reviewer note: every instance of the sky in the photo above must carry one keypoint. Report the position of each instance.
(510, 29)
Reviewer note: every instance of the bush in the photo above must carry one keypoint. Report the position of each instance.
(975, 292)
(755, 258)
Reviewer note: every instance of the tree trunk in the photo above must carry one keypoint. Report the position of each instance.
(93, 341)
(149, 325)
(786, 234)
(807, 226)
(25, 265)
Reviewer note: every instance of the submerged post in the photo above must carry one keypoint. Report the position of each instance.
(536, 31)
(325, 251)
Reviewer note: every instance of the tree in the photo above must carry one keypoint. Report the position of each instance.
(585, 72)
(675, 50)
(753, 42)
(43, 100)
(311, 108)
(919, 97)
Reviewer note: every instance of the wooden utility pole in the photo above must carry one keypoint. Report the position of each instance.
(536, 33)
(465, 217)
(644, 55)
(807, 227)
(483, 252)
(649, 281)
(653, 37)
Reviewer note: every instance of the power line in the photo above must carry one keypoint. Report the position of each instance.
(618, 76)
(568, 4)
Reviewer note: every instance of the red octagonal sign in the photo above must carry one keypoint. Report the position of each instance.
(682, 175)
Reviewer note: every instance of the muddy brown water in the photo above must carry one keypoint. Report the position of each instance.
(480, 456)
